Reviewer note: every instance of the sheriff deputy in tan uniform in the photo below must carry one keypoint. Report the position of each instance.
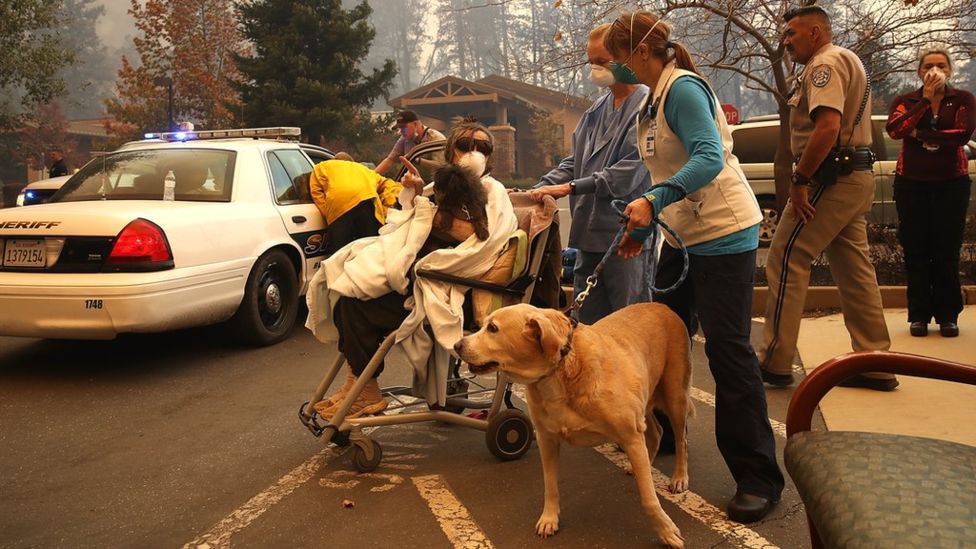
(820, 216)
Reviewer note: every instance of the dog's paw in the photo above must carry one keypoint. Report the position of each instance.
(678, 484)
(547, 525)
(672, 538)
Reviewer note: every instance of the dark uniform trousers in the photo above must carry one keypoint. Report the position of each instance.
(931, 221)
(839, 229)
(718, 295)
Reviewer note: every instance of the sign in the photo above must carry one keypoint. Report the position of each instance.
(731, 113)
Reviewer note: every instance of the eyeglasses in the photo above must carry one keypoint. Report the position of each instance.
(468, 144)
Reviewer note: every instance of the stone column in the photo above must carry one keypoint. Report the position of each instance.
(503, 157)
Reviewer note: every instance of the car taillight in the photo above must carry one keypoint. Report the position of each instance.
(141, 246)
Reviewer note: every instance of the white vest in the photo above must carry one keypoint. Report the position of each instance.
(723, 206)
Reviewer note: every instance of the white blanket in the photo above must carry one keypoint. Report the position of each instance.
(372, 267)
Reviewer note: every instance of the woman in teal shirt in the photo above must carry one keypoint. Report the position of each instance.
(701, 192)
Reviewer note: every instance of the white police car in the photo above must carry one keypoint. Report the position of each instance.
(172, 232)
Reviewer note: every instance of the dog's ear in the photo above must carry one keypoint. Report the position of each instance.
(548, 332)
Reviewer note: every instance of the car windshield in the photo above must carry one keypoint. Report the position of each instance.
(200, 175)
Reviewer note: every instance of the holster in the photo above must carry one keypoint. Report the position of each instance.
(843, 161)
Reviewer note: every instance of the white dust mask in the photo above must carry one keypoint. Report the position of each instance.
(601, 76)
(474, 161)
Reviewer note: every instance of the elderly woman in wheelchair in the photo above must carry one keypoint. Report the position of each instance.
(369, 288)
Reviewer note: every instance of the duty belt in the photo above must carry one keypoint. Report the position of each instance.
(864, 159)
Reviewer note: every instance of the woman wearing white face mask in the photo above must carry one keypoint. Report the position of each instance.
(603, 166)
(932, 189)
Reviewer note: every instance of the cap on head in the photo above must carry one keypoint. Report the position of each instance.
(405, 117)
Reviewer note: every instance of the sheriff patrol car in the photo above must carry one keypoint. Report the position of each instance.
(179, 230)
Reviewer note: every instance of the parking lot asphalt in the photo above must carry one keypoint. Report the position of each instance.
(182, 440)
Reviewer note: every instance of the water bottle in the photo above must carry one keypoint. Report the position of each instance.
(169, 186)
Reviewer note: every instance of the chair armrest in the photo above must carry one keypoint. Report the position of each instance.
(826, 376)
(514, 288)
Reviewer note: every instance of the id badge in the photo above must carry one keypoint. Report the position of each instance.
(649, 140)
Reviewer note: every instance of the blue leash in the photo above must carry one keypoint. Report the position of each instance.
(650, 273)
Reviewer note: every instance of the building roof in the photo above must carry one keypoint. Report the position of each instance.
(531, 91)
(94, 127)
(451, 89)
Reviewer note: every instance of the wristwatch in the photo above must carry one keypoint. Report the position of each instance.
(572, 187)
(798, 178)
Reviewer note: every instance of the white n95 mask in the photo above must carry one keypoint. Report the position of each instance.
(601, 76)
(475, 162)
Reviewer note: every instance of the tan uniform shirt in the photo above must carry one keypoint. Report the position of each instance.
(833, 78)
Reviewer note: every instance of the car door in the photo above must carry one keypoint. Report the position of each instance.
(290, 170)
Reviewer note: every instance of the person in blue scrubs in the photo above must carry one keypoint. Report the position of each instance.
(701, 192)
(603, 166)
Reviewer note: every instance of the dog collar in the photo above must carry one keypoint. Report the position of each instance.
(569, 339)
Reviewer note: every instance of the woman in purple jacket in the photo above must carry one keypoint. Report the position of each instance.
(932, 188)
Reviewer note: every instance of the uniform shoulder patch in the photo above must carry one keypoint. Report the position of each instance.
(821, 76)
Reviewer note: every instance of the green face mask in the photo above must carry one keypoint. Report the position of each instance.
(621, 72)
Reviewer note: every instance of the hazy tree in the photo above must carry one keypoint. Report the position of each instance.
(401, 36)
(89, 79)
(190, 43)
(30, 57)
(47, 130)
(305, 70)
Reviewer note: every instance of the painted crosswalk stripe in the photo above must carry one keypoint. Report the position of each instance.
(455, 520)
(696, 506)
(218, 536)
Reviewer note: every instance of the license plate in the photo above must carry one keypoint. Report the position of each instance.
(24, 253)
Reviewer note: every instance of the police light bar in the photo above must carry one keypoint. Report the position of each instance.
(281, 132)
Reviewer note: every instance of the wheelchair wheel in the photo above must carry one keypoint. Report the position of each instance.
(361, 462)
(509, 434)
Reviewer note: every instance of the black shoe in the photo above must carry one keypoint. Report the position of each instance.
(777, 380)
(949, 329)
(864, 382)
(746, 508)
(919, 329)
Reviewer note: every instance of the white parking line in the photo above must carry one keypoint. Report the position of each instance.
(455, 520)
(695, 505)
(218, 536)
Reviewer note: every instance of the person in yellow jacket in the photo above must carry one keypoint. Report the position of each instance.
(352, 198)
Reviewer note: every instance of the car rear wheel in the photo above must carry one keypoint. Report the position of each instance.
(270, 306)
(769, 221)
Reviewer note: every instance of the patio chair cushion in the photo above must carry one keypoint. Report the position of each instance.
(871, 490)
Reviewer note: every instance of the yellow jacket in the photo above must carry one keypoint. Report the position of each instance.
(337, 186)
